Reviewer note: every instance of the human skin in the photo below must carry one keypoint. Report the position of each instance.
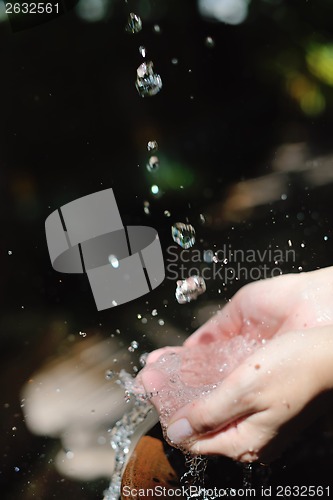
(244, 416)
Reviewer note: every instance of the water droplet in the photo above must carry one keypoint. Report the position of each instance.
(208, 256)
(16, 469)
(113, 261)
(146, 206)
(152, 146)
(109, 374)
(167, 213)
(153, 164)
(290, 243)
(183, 234)
(143, 358)
(142, 50)
(189, 289)
(147, 83)
(139, 316)
(161, 322)
(157, 29)
(114, 303)
(225, 261)
(69, 455)
(10, 252)
(14, 428)
(154, 312)
(302, 245)
(144, 321)
(154, 189)
(325, 238)
(284, 197)
(134, 345)
(83, 334)
(209, 42)
(174, 60)
(134, 23)
(202, 218)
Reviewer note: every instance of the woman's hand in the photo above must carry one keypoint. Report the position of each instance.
(243, 416)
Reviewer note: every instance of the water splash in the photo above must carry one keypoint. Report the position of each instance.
(142, 51)
(134, 24)
(193, 479)
(147, 83)
(122, 434)
(183, 234)
(190, 289)
(153, 164)
(152, 146)
(134, 345)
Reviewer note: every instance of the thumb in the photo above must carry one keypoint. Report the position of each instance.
(224, 407)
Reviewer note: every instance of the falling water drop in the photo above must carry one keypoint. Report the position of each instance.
(134, 345)
(142, 51)
(209, 42)
(147, 83)
(143, 359)
(183, 234)
(146, 205)
(114, 261)
(134, 24)
(152, 146)
(109, 374)
(153, 164)
(189, 289)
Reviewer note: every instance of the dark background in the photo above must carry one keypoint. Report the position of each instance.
(72, 123)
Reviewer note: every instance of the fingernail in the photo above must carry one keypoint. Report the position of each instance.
(179, 430)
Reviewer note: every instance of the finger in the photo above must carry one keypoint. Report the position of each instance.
(154, 382)
(224, 324)
(231, 401)
(155, 355)
(242, 441)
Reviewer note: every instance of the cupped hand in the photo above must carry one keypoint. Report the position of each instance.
(241, 418)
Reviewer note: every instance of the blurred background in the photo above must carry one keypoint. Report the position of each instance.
(244, 125)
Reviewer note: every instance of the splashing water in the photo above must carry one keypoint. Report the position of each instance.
(209, 42)
(134, 345)
(134, 24)
(190, 289)
(122, 433)
(183, 234)
(147, 83)
(194, 477)
(152, 146)
(180, 375)
(153, 164)
(142, 51)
